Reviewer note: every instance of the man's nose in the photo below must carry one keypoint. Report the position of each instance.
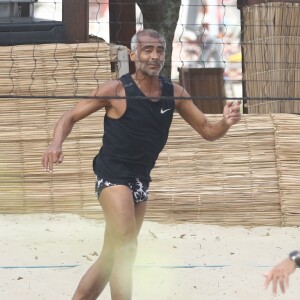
(154, 54)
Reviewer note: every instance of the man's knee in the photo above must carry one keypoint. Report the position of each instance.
(126, 247)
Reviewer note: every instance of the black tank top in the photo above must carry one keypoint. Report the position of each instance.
(131, 144)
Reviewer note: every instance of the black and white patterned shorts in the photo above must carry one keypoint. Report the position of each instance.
(139, 188)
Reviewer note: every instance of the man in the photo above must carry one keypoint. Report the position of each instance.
(281, 272)
(139, 110)
(211, 48)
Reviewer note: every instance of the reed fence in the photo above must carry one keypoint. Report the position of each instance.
(271, 39)
(249, 177)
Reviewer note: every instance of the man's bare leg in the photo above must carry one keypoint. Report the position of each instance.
(97, 276)
(124, 221)
(121, 276)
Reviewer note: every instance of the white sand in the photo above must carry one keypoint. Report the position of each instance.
(47, 254)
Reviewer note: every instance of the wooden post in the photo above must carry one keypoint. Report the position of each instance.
(122, 23)
(243, 3)
(205, 82)
(75, 16)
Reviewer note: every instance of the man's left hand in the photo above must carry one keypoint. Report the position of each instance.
(232, 112)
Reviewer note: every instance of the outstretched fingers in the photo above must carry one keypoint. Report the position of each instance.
(277, 279)
(51, 157)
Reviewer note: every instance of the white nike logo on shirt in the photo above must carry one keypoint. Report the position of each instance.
(162, 111)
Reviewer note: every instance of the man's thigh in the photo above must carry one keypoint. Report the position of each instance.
(119, 210)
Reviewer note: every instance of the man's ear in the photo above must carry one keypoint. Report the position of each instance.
(132, 55)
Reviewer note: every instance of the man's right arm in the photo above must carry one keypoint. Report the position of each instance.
(54, 155)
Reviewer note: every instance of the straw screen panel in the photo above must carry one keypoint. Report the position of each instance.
(249, 177)
(26, 125)
(230, 181)
(271, 39)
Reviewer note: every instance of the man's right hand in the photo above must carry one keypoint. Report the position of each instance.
(53, 155)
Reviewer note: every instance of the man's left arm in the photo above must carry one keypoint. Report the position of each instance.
(192, 115)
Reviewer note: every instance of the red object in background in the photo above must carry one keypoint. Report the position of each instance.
(98, 8)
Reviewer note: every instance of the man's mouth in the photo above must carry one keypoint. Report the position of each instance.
(154, 65)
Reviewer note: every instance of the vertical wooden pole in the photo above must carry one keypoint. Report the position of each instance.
(75, 16)
(122, 23)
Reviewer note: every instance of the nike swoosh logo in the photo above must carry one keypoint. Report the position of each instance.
(162, 111)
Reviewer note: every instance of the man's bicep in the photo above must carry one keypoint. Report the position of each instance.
(180, 93)
(192, 115)
(85, 107)
(99, 98)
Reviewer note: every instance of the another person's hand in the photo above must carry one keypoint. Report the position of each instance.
(232, 112)
(279, 275)
(53, 155)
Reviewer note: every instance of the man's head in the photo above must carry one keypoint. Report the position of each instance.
(148, 51)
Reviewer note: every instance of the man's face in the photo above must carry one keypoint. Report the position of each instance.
(149, 57)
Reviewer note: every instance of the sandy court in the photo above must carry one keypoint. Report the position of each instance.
(43, 256)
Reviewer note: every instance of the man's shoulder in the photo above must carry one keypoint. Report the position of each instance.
(178, 89)
(109, 87)
(126, 76)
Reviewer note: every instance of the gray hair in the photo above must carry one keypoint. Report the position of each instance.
(150, 32)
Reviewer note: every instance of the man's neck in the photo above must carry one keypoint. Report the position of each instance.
(149, 85)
